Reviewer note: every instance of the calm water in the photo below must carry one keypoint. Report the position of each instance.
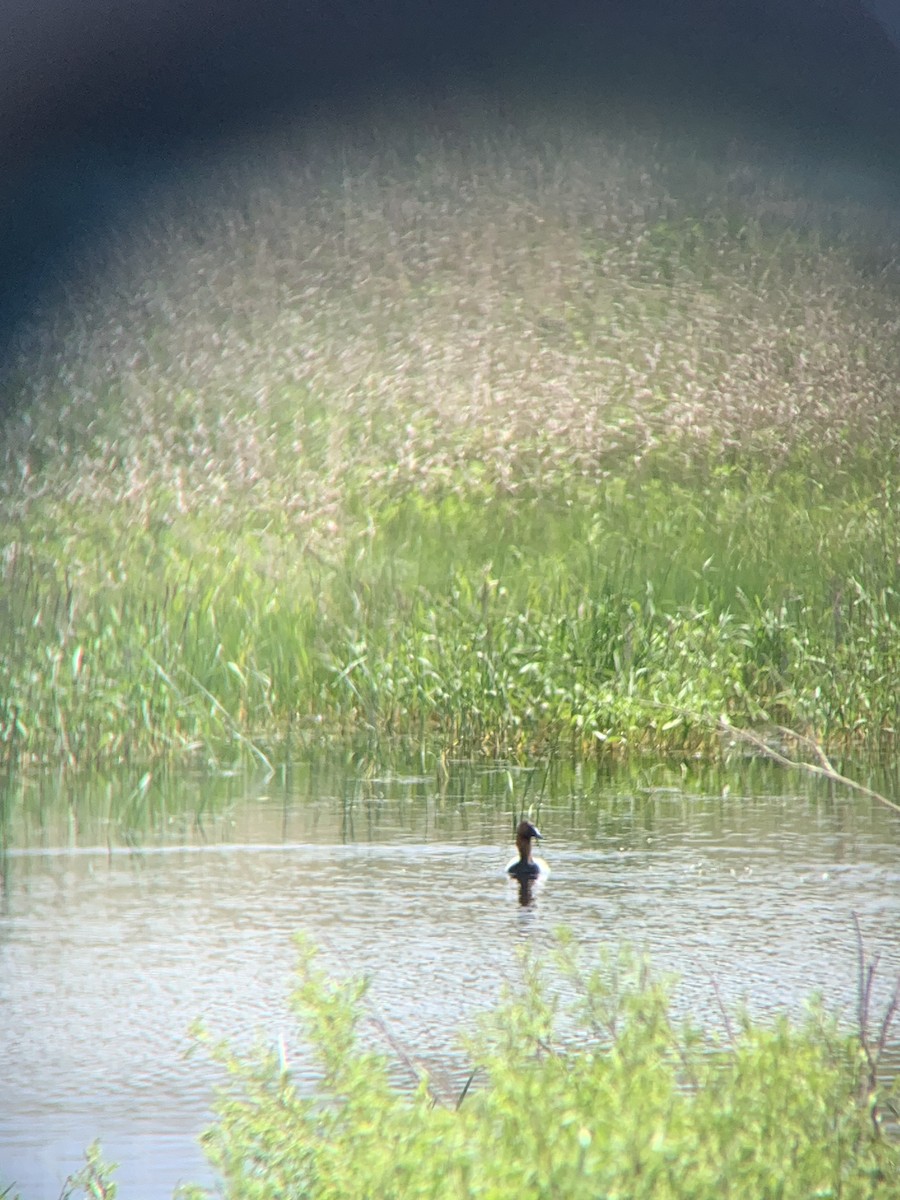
(128, 913)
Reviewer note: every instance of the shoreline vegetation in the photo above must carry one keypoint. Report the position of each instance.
(584, 1083)
(491, 434)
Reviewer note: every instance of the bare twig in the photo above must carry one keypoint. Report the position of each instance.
(723, 1011)
(462, 1094)
(826, 771)
(873, 1052)
(811, 743)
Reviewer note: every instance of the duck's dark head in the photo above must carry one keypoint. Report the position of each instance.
(525, 835)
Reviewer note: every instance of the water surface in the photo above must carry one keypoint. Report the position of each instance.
(129, 912)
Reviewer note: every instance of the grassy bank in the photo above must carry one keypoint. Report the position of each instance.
(495, 435)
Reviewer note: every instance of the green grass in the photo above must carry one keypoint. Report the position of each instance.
(492, 435)
(501, 624)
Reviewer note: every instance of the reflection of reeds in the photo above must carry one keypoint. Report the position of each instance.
(499, 437)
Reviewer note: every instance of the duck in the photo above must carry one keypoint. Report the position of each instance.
(526, 866)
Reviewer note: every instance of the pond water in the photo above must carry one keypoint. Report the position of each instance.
(130, 909)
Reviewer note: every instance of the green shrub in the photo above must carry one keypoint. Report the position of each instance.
(591, 1089)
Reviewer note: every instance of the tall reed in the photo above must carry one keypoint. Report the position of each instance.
(502, 433)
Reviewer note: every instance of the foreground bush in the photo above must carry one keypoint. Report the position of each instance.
(633, 1105)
